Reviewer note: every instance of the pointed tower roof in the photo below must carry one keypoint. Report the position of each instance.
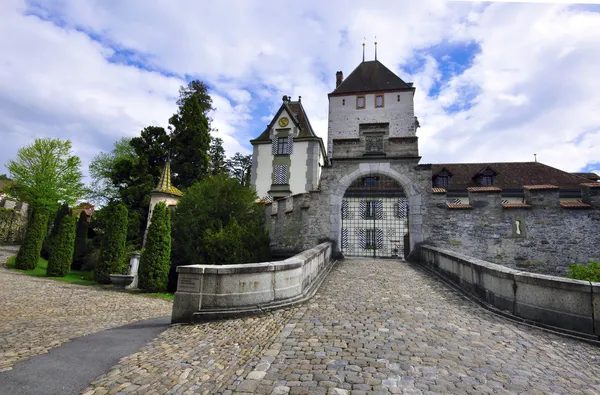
(164, 184)
(371, 76)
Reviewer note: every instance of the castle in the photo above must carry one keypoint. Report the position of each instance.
(370, 194)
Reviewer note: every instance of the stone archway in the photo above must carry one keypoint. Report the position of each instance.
(413, 195)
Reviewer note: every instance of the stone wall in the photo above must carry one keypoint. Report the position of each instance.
(542, 235)
(13, 220)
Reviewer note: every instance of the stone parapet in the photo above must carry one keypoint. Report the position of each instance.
(549, 301)
(216, 291)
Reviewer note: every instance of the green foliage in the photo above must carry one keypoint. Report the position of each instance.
(218, 164)
(589, 272)
(62, 211)
(10, 224)
(102, 187)
(46, 173)
(74, 276)
(113, 246)
(81, 241)
(219, 210)
(239, 167)
(63, 246)
(190, 140)
(29, 252)
(155, 261)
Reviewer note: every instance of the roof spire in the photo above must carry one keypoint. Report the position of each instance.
(364, 38)
(535, 157)
(375, 47)
(164, 183)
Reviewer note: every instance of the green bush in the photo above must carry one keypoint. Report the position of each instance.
(156, 258)
(47, 246)
(589, 272)
(28, 254)
(81, 238)
(113, 246)
(218, 210)
(63, 246)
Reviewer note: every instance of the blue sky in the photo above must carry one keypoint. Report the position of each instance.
(495, 82)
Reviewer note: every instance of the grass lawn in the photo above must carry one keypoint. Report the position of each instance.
(77, 277)
(74, 276)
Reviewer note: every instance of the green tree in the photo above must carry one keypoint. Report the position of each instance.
(239, 167)
(218, 164)
(156, 258)
(62, 248)
(101, 168)
(46, 173)
(190, 139)
(113, 245)
(28, 254)
(215, 208)
(62, 211)
(81, 241)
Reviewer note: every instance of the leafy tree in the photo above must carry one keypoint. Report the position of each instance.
(156, 258)
(4, 177)
(212, 210)
(81, 241)
(113, 245)
(190, 139)
(63, 211)
(218, 164)
(62, 249)
(102, 187)
(28, 254)
(239, 167)
(46, 173)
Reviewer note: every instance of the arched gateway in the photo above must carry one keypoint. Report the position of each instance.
(374, 218)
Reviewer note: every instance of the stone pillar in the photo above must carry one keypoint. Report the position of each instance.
(590, 193)
(542, 196)
(188, 298)
(134, 264)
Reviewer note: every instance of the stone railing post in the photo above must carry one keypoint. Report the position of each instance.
(188, 298)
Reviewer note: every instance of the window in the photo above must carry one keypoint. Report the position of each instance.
(282, 145)
(343, 102)
(378, 101)
(370, 238)
(398, 97)
(360, 102)
(370, 209)
(487, 180)
(280, 176)
(442, 181)
(370, 181)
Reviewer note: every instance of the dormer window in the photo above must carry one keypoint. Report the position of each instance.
(487, 180)
(360, 102)
(442, 181)
(485, 177)
(378, 101)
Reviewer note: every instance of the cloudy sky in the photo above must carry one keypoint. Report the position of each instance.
(495, 81)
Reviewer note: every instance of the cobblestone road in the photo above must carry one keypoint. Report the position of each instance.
(37, 314)
(375, 327)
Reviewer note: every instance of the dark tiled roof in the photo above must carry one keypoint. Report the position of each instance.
(589, 176)
(540, 187)
(592, 184)
(371, 76)
(574, 205)
(509, 175)
(515, 205)
(299, 118)
(484, 189)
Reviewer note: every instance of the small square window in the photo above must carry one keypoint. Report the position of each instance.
(282, 145)
(378, 101)
(487, 180)
(343, 102)
(398, 97)
(442, 181)
(360, 102)
(370, 181)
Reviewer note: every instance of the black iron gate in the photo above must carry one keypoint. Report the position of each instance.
(374, 218)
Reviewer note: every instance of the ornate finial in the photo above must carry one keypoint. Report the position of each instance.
(535, 157)
(375, 47)
(299, 99)
(364, 39)
(284, 98)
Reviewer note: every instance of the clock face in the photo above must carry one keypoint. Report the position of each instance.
(284, 122)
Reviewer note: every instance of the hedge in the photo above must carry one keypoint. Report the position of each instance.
(62, 211)
(28, 254)
(81, 240)
(113, 246)
(63, 245)
(156, 258)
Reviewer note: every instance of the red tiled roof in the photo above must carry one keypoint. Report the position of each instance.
(371, 76)
(455, 206)
(540, 187)
(438, 190)
(592, 184)
(509, 175)
(484, 189)
(515, 205)
(574, 205)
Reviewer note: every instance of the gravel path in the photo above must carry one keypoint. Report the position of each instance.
(38, 314)
(375, 327)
